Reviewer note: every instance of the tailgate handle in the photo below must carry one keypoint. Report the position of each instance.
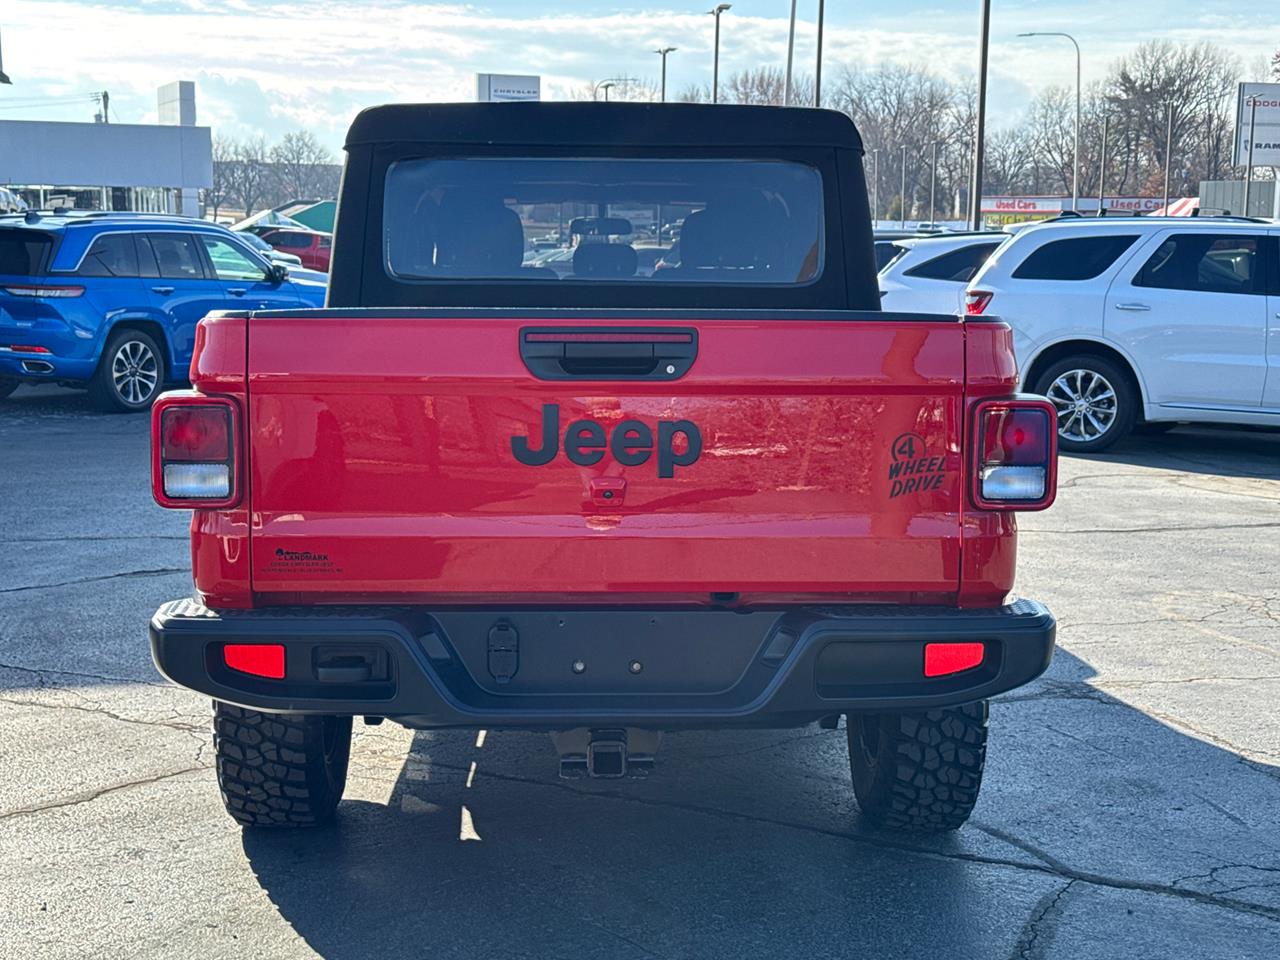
(609, 353)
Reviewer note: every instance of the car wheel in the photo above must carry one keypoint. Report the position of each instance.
(1096, 402)
(918, 772)
(278, 769)
(8, 385)
(130, 374)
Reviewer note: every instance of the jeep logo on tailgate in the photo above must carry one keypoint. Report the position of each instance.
(631, 444)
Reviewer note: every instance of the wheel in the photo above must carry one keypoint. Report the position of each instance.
(1097, 402)
(8, 385)
(918, 772)
(130, 373)
(280, 770)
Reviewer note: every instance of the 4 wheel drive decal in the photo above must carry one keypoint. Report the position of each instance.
(631, 444)
(912, 470)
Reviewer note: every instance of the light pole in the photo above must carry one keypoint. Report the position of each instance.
(605, 84)
(605, 87)
(1075, 174)
(715, 61)
(1248, 172)
(817, 70)
(1168, 155)
(933, 182)
(975, 190)
(875, 186)
(1102, 170)
(791, 49)
(663, 54)
(902, 197)
(4, 77)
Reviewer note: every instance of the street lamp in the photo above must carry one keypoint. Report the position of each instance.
(1168, 155)
(663, 54)
(605, 87)
(715, 63)
(605, 84)
(1075, 175)
(791, 49)
(817, 73)
(975, 190)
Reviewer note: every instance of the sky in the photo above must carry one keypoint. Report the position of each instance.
(270, 66)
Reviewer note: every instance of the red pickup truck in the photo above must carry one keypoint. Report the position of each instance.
(475, 492)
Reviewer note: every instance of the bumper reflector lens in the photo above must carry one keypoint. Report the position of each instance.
(1013, 483)
(259, 659)
(197, 481)
(941, 659)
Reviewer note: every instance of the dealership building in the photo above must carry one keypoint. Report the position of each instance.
(156, 168)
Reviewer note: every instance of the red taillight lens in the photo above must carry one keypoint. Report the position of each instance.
(941, 659)
(975, 302)
(194, 444)
(27, 348)
(258, 659)
(1015, 460)
(191, 434)
(24, 290)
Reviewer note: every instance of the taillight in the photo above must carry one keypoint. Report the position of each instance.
(26, 348)
(975, 302)
(25, 290)
(194, 442)
(257, 659)
(1015, 465)
(943, 659)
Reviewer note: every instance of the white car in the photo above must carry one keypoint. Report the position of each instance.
(930, 273)
(1123, 320)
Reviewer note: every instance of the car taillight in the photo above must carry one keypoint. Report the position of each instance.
(194, 442)
(26, 348)
(1015, 454)
(25, 290)
(975, 302)
(258, 659)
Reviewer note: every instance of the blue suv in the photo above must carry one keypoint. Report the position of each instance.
(111, 300)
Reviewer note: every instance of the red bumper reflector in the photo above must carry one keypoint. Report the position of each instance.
(259, 659)
(941, 659)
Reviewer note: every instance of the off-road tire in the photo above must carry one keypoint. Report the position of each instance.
(280, 770)
(106, 394)
(8, 385)
(918, 772)
(1127, 400)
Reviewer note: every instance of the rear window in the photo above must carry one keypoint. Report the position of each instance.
(602, 219)
(957, 266)
(24, 253)
(1079, 258)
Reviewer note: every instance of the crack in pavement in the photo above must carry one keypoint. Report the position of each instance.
(128, 574)
(104, 678)
(95, 539)
(1046, 864)
(91, 795)
(1029, 937)
(102, 711)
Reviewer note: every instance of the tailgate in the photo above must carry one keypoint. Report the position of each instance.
(400, 456)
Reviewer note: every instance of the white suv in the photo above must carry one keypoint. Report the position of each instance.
(1123, 320)
(929, 274)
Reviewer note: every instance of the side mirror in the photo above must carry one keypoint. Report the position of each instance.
(279, 273)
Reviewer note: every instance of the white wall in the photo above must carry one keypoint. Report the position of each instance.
(105, 154)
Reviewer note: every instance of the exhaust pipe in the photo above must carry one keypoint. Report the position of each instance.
(37, 366)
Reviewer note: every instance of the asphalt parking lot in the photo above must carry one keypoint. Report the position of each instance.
(1131, 806)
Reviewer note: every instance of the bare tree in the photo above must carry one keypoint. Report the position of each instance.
(298, 162)
(246, 173)
(224, 151)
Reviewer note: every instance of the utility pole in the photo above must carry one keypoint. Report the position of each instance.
(817, 71)
(1248, 170)
(933, 181)
(791, 49)
(106, 107)
(4, 77)
(663, 54)
(1102, 171)
(715, 62)
(975, 190)
(1168, 155)
(902, 208)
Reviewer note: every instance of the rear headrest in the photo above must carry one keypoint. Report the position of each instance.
(479, 239)
(605, 260)
(734, 238)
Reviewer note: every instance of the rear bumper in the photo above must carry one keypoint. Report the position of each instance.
(538, 669)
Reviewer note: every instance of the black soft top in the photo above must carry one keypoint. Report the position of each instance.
(604, 124)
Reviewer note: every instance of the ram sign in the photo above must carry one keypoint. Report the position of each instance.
(1262, 101)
